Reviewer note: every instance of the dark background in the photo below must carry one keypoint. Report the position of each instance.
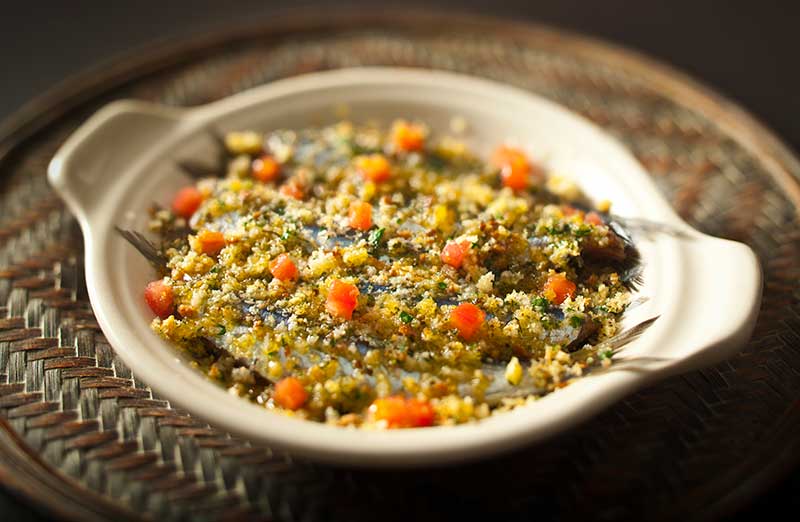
(748, 51)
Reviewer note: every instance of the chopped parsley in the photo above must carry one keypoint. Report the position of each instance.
(375, 236)
(540, 303)
(436, 162)
(406, 317)
(557, 230)
(356, 149)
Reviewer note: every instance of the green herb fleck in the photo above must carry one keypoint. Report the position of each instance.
(286, 235)
(375, 236)
(442, 285)
(222, 329)
(557, 230)
(575, 321)
(406, 317)
(541, 303)
(606, 354)
(583, 231)
(357, 149)
(436, 162)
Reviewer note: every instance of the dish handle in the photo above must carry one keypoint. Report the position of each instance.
(723, 285)
(87, 163)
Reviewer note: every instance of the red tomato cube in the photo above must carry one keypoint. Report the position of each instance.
(593, 218)
(289, 393)
(265, 168)
(467, 319)
(360, 215)
(407, 136)
(514, 167)
(211, 242)
(558, 287)
(399, 412)
(159, 298)
(342, 299)
(453, 253)
(186, 202)
(292, 189)
(283, 268)
(374, 167)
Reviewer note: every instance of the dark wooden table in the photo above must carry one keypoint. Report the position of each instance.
(747, 52)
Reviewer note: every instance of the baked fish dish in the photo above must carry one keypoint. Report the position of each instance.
(386, 276)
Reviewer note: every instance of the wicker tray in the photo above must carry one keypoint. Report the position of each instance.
(88, 440)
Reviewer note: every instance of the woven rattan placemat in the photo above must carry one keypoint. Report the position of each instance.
(86, 439)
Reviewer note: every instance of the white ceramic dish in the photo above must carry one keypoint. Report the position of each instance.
(706, 290)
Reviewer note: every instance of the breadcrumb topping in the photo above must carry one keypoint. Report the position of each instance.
(353, 314)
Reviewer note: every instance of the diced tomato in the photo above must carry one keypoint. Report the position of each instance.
(407, 136)
(186, 202)
(265, 168)
(467, 319)
(210, 242)
(360, 215)
(374, 167)
(453, 253)
(283, 268)
(558, 287)
(292, 189)
(159, 298)
(342, 299)
(400, 412)
(515, 169)
(593, 218)
(289, 393)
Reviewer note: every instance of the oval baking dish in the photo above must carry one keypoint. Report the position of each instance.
(705, 291)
